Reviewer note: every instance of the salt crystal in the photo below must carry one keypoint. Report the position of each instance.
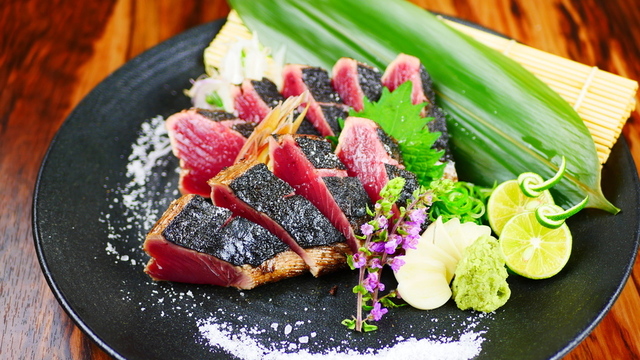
(287, 329)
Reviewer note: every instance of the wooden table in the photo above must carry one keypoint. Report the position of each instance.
(53, 53)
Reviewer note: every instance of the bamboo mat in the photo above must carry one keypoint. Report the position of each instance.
(603, 100)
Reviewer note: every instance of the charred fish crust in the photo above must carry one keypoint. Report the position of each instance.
(319, 84)
(427, 85)
(318, 151)
(263, 191)
(439, 124)
(193, 225)
(244, 242)
(208, 229)
(390, 145)
(411, 182)
(333, 112)
(258, 187)
(216, 115)
(307, 128)
(350, 196)
(369, 79)
(268, 91)
(245, 128)
(305, 223)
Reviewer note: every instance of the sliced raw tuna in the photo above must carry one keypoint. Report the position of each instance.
(353, 81)
(256, 98)
(205, 142)
(373, 157)
(251, 191)
(325, 105)
(308, 164)
(409, 68)
(299, 78)
(204, 147)
(233, 122)
(199, 243)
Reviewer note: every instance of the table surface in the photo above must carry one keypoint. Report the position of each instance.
(53, 53)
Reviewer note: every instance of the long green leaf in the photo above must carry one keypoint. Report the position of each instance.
(503, 120)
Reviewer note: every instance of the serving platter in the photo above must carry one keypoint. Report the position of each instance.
(108, 175)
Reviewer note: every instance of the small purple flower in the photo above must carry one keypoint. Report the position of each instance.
(375, 263)
(418, 215)
(428, 198)
(410, 242)
(367, 229)
(392, 244)
(378, 311)
(376, 247)
(396, 263)
(412, 228)
(372, 282)
(382, 222)
(359, 260)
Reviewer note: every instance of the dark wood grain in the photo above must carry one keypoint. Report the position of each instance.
(53, 52)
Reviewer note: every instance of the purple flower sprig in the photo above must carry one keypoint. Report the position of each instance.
(391, 231)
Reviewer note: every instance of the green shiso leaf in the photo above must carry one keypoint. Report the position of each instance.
(399, 118)
(503, 120)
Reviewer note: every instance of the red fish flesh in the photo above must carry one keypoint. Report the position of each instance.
(325, 105)
(409, 68)
(256, 98)
(196, 242)
(354, 81)
(373, 157)
(204, 147)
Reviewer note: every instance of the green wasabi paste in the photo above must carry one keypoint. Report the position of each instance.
(480, 281)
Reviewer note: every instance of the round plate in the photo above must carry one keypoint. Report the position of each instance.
(108, 176)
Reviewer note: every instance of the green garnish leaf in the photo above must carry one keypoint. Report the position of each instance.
(368, 327)
(349, 323)
(359, 289)
(400, 119)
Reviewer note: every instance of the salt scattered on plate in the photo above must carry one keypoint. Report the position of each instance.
(152, 184)
(248, 343)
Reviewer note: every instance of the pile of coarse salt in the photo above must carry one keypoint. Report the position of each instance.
(245, 343)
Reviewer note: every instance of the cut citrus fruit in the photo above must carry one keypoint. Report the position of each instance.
(507, 200)
(532, 250)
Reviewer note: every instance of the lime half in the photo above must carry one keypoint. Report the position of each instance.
(532, 250)
(507, 200)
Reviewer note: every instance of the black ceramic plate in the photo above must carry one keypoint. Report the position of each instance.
(91, 214)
